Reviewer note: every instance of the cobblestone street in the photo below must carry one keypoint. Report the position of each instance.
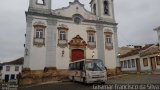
(124, 79)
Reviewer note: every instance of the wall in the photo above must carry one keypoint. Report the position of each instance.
(12, 70)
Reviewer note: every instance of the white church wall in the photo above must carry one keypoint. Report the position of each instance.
(110, 55)
(74, 29)
(75, 9)
(37, 54)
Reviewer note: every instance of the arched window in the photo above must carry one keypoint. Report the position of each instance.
(106, 7)
(94, 9)
(40, 2)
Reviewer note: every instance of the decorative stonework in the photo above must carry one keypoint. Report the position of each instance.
(77, 42)
(39, 42)
(62, 27)
(39, 24)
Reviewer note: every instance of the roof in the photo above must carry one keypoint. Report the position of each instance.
(124, 50)
(135, 51)
(18, 61)
(152, 50)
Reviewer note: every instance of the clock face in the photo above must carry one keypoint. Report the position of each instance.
(77, 20)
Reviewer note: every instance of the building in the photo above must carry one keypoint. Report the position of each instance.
(11, 70)
(0, 72)
(145, 59)
(54, 38)
(158, 33)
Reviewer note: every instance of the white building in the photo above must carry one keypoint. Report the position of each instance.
(158, 33)
(11, 70)
(146, 59)
(54, 38)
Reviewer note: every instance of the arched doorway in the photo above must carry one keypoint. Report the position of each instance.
(77, 48)
(77, 54)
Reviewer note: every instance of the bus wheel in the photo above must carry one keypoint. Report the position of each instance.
(84, 81)
(73, 78)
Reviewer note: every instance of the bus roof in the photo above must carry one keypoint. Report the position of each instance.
(84, 60)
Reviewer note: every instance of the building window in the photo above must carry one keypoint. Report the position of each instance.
(16, 68)
(145, 62)
(39, 34)
(108, 39)
(7, 68)
(133, 63)
(40, 2)
(122, 65)
(62, 35)
(91, 38)
(12, 76)
(106, 7)
(158, 60)
(129, 63)
(125, 64)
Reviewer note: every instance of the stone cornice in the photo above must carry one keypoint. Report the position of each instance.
(70, 18)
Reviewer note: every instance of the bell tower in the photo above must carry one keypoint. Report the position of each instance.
(103, 8)
(40, 5)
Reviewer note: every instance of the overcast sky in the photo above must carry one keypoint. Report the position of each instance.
(136, 19)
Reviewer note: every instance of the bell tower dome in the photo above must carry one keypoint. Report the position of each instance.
(103, 8)
(35, 5)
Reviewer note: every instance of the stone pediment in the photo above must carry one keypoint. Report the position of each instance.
(77, 42)
(75, 8)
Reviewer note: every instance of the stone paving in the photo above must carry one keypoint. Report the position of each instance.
(124, 79)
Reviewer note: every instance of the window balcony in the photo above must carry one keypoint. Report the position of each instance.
(91, 45)
(109, 46)
(39, 42)
(62, 43)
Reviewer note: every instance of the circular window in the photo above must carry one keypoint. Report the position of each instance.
(77, 20)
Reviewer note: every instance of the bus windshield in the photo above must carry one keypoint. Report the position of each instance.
(95, 65)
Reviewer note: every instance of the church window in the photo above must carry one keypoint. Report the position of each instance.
(108, 39)
(62, 36)
(39, 34)
(106, 7)
(91, 38)
(40, 2)
(77, 20)
(94, 9)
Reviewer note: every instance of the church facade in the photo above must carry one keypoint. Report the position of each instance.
(54, 38)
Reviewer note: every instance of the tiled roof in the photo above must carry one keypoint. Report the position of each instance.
(152, 50)
(18, 61)
(136, 51)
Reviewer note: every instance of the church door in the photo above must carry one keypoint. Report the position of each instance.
(77, 54)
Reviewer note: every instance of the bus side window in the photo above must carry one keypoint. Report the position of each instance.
(81, 65)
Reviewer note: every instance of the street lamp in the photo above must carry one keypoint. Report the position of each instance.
(93, 53)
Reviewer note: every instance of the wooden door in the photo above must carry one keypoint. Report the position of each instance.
(77, 54)
(138, 65)
(153, 64)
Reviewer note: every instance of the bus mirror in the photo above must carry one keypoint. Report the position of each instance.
(106, 68)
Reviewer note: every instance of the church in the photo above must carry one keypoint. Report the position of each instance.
(54, 38)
